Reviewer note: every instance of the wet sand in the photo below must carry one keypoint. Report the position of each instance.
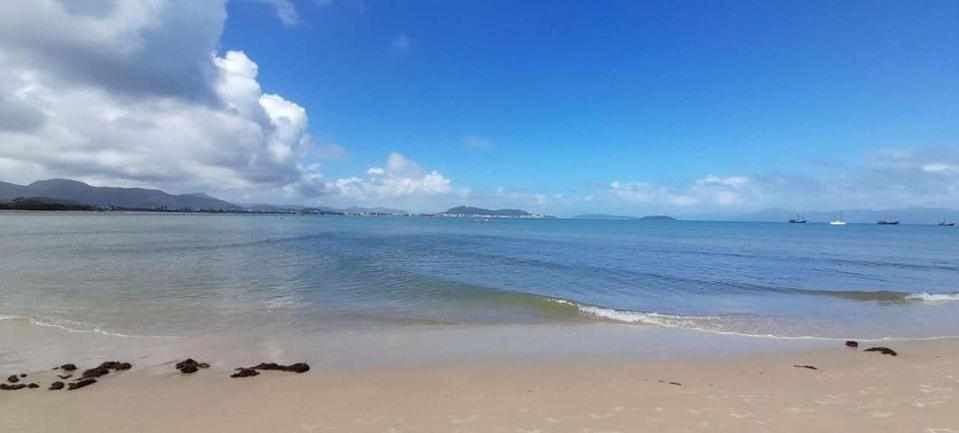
(852, 391)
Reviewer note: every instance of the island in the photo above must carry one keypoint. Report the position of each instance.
(476, 212)
(657, 218)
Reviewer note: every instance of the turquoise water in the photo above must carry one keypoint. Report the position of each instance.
(188, 275)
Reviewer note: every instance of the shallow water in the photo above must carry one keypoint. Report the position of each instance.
(198, 275)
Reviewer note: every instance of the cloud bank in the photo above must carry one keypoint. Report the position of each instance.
(135, 93)
(887, 178)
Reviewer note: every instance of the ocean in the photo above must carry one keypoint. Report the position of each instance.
(183, 275)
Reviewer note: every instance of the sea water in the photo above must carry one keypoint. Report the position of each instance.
(183, 275)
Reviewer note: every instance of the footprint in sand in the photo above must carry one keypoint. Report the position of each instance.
(376, 420)
(469, 419)
(828, 399)
(929, 387)
(795, 410)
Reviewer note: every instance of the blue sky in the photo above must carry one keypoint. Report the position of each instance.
(633, 107)
(575, 94)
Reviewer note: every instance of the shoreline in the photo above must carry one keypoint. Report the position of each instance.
(28, 347)
(850, 390)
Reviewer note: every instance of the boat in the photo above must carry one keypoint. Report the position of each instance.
(481, 220)
(838, 221)
(887, 222)
(797, 220)
(946, 224)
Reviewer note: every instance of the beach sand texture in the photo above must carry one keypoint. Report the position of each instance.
(852, 391)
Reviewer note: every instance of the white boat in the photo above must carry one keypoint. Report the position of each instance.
(838, 221)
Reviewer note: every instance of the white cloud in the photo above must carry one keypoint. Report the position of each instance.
(321, 150)
(888, 178)
(286, 12)
(941, 168)
(401, 44)
(398, 178)
(517, 198)
(133, 93)
(710, 191)
(635, 192)
(475, 142)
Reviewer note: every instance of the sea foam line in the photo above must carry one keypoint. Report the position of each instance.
(95, 330)
(934, 297)
(690, 323)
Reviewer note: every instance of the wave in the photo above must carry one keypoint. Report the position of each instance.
(879, 295)
(710, 324)
(934, 297)
(626, 316)
(74, 327)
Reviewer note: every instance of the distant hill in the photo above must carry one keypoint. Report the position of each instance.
(480, 212)
(602, 216)
(42, 203)
(913, 215)
(273, 208)
(125, 198)
(657, 218)
(10, 191)
(292, 208)
(373, 211)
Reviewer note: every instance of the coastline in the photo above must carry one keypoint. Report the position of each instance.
(850, 390)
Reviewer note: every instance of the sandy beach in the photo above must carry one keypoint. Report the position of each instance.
(850, 391)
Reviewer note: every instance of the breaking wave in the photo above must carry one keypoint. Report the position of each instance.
(934, 297)
(884, 296)
(721, 325)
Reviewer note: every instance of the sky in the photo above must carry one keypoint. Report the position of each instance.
(692, 108)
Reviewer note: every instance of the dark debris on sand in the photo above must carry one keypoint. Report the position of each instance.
(809, 367)
(244, 372)
(11, 387)
(299, 367)
(190, 365)
(882, 350)
(852, 344)
(81, 383)
(55, 386)
(105, 368)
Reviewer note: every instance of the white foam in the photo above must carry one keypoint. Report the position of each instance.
(74, 327)
(711, 324)
(934, 297)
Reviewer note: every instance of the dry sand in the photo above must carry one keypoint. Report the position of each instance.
(851, 391)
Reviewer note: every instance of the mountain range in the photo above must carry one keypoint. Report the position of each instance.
(124, 198)
(66, 193)
(60, 192)
(353, 210)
